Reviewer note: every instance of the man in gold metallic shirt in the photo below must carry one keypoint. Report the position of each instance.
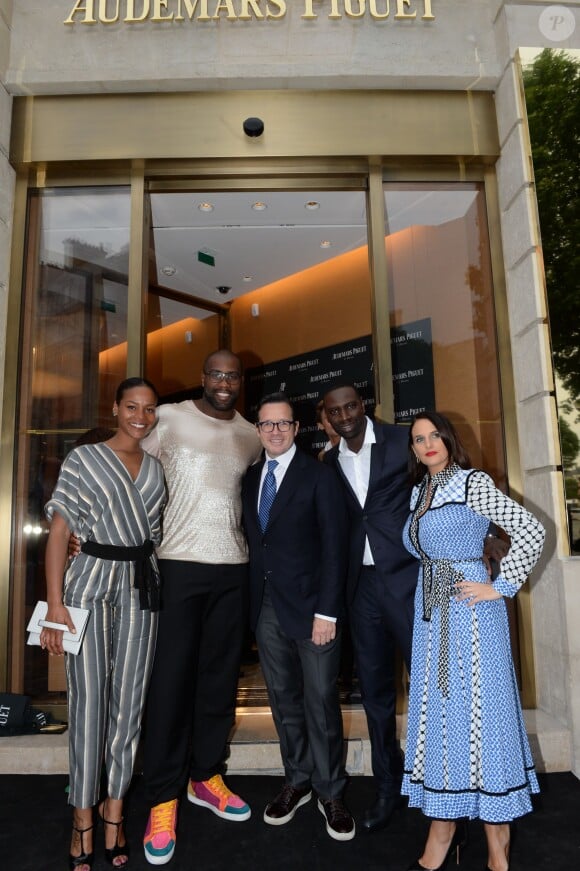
(205, 447)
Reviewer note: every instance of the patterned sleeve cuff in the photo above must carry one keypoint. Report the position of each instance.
(505, 588)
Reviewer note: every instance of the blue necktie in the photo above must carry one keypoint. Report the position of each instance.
(267, 495)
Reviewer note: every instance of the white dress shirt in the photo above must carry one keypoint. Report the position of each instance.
(357, 470)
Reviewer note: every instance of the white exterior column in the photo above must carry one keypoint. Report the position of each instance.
(555, 593)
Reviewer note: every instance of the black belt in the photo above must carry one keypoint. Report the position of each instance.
(147, 579)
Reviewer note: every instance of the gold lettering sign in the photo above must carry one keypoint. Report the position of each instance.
(158, 11)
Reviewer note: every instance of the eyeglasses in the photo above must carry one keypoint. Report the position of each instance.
(230, 377)
(271, 425)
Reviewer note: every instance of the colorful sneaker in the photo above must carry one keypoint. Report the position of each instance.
(159, 840)
(215, 795)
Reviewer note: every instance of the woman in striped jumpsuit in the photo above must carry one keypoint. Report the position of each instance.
(111, 496)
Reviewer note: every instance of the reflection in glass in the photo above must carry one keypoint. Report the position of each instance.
(73, 356)
(294, 275)
(441, 294)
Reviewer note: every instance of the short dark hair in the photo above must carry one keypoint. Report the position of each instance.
(222, 351)
(340, 385)
(130, 383)
(450, 438)
(275, 397)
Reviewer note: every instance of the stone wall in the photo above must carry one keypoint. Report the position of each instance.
(454, 48)
(555, 597)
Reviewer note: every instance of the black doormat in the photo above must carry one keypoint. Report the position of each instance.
(35, 831)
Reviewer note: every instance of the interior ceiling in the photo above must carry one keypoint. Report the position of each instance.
(250, 249)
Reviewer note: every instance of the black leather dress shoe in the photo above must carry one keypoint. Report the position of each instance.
(378, 816)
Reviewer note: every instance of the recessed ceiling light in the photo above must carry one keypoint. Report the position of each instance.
(312, 205)
(205, 207)
(325, 243)
(169, 270)
(259, 206)
(247, 278)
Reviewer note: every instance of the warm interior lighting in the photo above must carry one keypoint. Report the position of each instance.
(52, 385)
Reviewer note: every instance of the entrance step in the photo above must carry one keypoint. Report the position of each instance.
(255, 750)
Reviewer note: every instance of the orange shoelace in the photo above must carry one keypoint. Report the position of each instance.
(163, 817)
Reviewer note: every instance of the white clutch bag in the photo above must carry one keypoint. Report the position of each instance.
(71, 643)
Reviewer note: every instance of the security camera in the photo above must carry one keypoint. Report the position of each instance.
(253, 127)
(223, 288)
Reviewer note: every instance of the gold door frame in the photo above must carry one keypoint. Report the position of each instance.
(312, 139)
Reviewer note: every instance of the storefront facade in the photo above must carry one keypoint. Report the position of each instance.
(137, 105)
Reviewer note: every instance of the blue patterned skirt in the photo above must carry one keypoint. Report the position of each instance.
(467, 752)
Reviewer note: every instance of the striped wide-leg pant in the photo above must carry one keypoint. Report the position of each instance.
(107, 684)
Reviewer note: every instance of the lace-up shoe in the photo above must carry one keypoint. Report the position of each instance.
(159, 840)
(215, 795)
(285, 805)
(339, 823)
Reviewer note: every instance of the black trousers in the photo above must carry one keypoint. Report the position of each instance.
(301, 678)
(192, 694)
(379, 626)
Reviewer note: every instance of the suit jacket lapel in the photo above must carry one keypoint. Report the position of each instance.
(377, 454)
(334, 455)
(286, 488)
(255, 473)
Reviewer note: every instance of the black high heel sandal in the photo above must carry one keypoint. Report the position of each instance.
(84, 858)
(458, 841)
(112, 853)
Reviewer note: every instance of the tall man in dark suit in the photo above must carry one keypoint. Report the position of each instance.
(371, 460)
(296, 526)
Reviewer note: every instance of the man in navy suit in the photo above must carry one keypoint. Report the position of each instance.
(371, 461)
(295, 520)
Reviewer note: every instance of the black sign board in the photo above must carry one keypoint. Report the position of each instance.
(306, 377)
(413, 378)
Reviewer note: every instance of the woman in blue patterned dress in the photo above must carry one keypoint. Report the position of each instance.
(111, 496)
(467, 753)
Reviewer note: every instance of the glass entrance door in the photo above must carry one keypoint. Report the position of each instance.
(75, 312)
(274, 275)
(283, 278)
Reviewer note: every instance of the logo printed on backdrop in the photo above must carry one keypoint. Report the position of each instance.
(306, 377)
(413, 377)
(177, 11)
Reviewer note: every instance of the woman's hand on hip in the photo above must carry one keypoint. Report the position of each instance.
(472, 592)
